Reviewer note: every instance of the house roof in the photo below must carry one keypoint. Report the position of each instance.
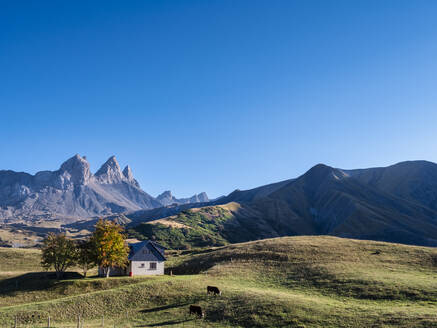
(136, 247)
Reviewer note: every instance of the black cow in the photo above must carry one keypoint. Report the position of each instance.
(197, 310)
(213, 290)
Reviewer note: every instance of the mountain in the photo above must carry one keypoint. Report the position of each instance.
(73, 192)
(396, 203)
(166, 198)
(413, 180)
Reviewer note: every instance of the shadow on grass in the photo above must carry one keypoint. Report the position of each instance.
(166, 323)
(200, 251)
(41, 231)
(165, 307)
(34, 281)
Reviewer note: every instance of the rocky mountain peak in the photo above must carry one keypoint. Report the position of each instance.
(166, 193)
(320, 173)
(127, 173)
(111, 163)
(203, 197)
(110, 171)
(77, 168)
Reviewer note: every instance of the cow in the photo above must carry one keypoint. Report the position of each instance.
(213, 290)
(197, 310)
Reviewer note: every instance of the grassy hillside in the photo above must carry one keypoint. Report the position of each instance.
(199, 227)
(13, 260)
(215, 225)
(281, 282)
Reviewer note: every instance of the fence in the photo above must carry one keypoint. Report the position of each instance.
(79, 321)
(47, 321)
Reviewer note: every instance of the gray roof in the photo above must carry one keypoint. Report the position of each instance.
(156, 254)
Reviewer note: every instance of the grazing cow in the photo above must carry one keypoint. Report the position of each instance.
(197, 310)
(213, 290)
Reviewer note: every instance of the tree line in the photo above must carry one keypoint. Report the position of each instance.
(106, 247)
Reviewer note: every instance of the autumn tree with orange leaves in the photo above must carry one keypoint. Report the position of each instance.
(109, 244)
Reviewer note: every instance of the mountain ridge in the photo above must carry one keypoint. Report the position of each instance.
(397, 203)
(72, 192)
(322, 201)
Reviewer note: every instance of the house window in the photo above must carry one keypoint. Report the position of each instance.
(142, 265)
(152, 266)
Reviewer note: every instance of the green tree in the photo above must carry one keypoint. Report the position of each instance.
(110, 247)
(85, 255)
(58, 252)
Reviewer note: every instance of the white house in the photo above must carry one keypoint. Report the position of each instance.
(145, 258)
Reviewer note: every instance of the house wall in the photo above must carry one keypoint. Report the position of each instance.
(138, 270)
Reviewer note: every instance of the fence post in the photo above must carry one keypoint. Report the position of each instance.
(48, 322)
(16, 321)
(78, 321)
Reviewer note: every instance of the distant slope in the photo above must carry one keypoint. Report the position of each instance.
(395, 204)
(338, 204)
(253, 194)
(413, 180)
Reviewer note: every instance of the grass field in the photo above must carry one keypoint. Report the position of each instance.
(281, 282)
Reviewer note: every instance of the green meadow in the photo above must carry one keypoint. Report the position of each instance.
(280, 282)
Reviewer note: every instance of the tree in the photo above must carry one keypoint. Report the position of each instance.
(85, 255)
(58, 252)
(110, 246)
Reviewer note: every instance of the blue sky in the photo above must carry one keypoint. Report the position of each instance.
(217, 95)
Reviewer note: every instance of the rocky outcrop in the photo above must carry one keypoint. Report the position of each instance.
(166, 199)
(127, 173)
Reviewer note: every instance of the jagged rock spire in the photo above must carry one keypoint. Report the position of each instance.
(127, 173)
(77, 168)
(110, 171)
